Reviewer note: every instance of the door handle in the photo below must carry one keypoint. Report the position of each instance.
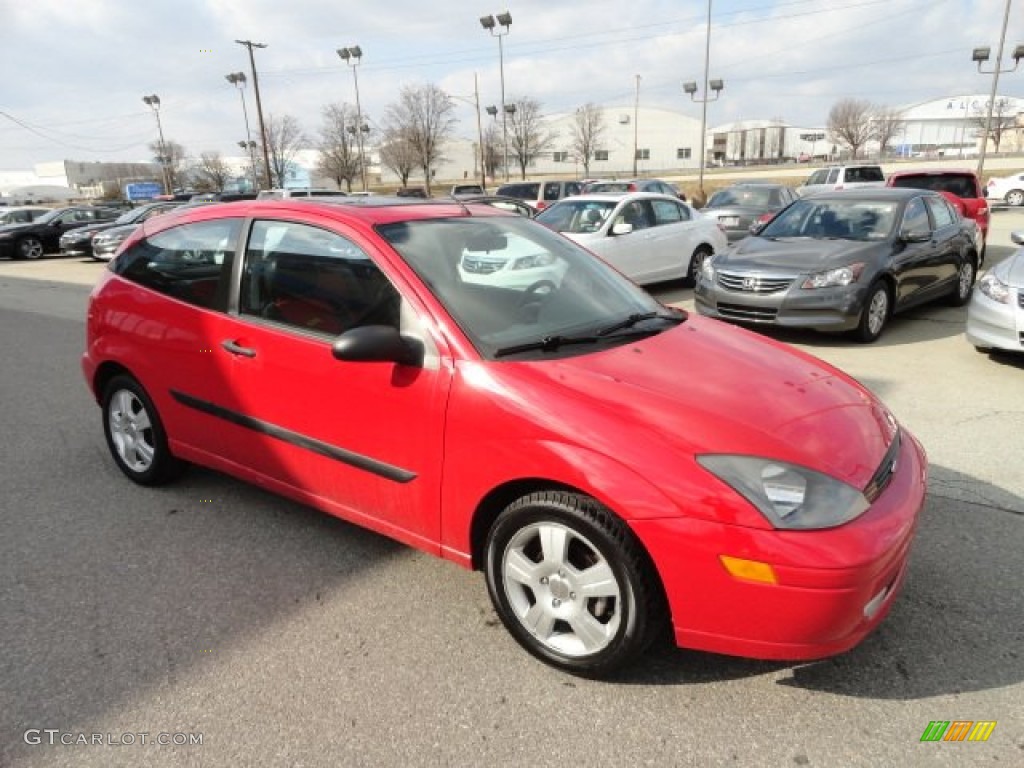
(237, 349)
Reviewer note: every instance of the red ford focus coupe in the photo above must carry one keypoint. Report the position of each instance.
(472, 384)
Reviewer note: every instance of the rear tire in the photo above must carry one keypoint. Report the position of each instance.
(696, 261)
(135, 434)
(1015, 197)
(572, 584)
(964, 283)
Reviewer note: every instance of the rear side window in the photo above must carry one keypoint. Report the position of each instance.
(668, 212)
(191, 262)
(833, 176)
(552, 190)
(915, 218)
(866, 173)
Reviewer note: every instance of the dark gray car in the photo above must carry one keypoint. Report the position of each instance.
(741, 205)
(843, 261)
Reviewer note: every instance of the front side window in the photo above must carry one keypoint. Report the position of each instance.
(915, 217)
(314, 280)
(191, 262)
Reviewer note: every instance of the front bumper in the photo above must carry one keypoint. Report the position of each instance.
(991, 325)
(823, 309)
(834, 586)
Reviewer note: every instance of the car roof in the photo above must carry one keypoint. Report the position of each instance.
(614, 197)
(873, 193)
(378, 209)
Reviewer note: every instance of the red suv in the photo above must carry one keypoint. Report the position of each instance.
(961, 187)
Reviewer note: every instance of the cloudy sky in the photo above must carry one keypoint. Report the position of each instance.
(74, 73)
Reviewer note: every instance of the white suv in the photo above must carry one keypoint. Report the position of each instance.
(836, 177)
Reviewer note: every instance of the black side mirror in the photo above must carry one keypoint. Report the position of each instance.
(377, 344)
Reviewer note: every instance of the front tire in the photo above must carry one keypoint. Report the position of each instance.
(876, 313)
(30, 248)
(1015, 197)
(135, 434)
(571, 583)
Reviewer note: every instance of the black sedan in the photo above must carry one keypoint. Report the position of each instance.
(844, 261)
(742, 205)
(79, 242)
(32, 240)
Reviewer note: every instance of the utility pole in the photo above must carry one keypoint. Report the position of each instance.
(636, 111)
(259, 107)
(480, 132)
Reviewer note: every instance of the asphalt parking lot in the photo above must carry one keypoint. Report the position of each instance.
(285, 637)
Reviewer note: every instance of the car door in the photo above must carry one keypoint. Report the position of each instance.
(364, 439)
(915, 254)
(187, 270)
(948, 238)
(632, 253)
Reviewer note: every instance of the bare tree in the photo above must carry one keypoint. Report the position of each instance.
(398, 154)
(587, 133)
(211, 173)
(888, 123)
(849, 124)
(492, 154)
(1003, 119)
(284, 139)
(339, 145)
(423, 117)
(528, 136)
(175, 158)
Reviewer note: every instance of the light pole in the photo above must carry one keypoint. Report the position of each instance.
(479, 127)
(491, 23)
(352, 56)
(250, 147)
(981, 55)
(153, 102)
(636, 114)
(259, 106)
(238, 79)
(714, 85)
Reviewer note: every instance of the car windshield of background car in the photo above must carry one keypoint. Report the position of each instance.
(524, 282)
(753, 196)
(833, 218)
(576, 216)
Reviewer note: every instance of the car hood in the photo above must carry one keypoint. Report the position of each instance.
(797, 254)
(707, 387)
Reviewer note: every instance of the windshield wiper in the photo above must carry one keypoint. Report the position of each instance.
(546, 344)
(639, 317)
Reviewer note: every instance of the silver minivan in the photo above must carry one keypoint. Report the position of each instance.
(540, 194)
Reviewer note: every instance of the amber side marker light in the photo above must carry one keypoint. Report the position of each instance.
(748, 570)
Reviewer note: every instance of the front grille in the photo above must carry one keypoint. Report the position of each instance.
(750, 314)
(481, 267)
(885, 471)
(732, 281)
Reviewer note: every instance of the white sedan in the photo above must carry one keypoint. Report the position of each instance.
(1007, 188)
(648, 237)
(995, 316)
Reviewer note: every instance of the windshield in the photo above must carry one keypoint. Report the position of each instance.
(756, 197)
(508, 281)
(46, 218)
(834, 218)
(577, 215)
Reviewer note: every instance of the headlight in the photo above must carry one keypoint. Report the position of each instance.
(707, 269)
(831, 278)
(536, 260)
(788, 495)
(994, 288)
